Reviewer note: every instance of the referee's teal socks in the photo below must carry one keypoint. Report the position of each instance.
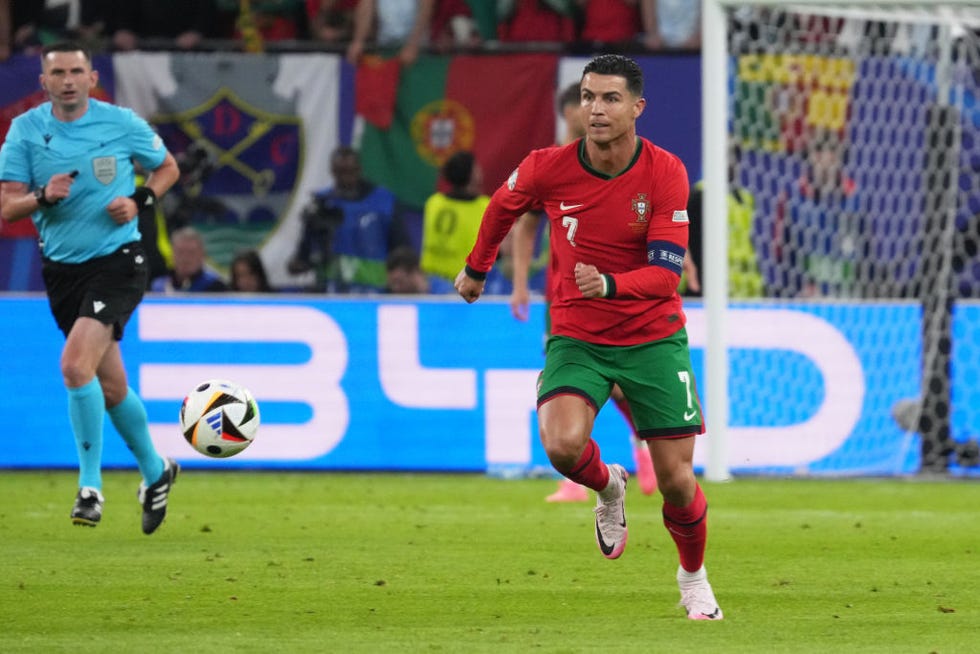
(86, 412)
(129, 419)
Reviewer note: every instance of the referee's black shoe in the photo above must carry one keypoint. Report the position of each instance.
(88, 507)
(154, 497)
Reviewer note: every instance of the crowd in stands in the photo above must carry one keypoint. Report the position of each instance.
(353, 238)
(351, 26)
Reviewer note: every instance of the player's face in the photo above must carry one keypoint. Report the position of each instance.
(610, 110)
(68, 78)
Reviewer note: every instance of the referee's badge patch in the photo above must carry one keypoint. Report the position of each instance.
(104, 169)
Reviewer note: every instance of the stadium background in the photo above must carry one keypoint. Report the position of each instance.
(433, 384)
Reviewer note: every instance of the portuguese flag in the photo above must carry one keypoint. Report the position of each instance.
(498, 107)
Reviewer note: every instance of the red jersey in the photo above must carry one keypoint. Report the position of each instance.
(631, 227)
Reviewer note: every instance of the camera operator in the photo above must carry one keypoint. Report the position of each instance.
(348, 231)
(187, 205)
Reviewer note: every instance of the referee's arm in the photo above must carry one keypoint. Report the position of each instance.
(17, 201)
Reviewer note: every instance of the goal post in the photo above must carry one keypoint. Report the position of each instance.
(853, 127)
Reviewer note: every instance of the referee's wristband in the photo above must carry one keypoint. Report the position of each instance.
(475, 274)
(144, 197)
(42, 200)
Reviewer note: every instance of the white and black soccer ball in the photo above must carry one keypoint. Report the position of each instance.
(219, 418)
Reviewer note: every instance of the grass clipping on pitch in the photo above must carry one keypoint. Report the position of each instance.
(306, 562)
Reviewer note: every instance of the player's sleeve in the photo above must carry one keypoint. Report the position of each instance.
(666, 241)
(148, 148)
(15, 162)
(514, 197)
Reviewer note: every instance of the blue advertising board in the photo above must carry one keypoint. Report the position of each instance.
(436, 384)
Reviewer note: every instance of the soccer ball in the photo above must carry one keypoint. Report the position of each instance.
(219, 418)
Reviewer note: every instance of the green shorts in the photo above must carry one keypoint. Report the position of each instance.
(656, 379)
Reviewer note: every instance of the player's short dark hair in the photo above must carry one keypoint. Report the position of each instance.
(458, 169)
(66, 46)
(571, 95)
(613, 64)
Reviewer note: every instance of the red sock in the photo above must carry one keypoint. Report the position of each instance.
(688, 526)
(624, 408)
(590, 471)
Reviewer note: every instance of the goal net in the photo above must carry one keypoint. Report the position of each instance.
(855, 130)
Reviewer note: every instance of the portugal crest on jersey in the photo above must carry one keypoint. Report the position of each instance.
(640, 208)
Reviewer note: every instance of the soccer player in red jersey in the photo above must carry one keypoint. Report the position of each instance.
(524, 234)
(617, 208)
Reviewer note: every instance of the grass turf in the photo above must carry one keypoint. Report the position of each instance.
(318, 562)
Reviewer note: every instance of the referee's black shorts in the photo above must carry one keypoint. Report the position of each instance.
(107, 288)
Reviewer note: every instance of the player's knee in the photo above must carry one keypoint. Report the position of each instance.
(75, 373)
(677, 484)
(564, 448)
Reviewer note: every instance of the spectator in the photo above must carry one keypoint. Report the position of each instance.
(187, 22)
(40, 22)
(526, 230)
(451, 220)
(817, 230)
(248, 274)
(674, 24)
(395, 24)
(536, 20)
(484, 18)
(331, 21)
(453, 26)
(191, 273)
(271, 20)
(744, 278)
(404, 275)
(614, 22)
(348, 231)
(187, 204)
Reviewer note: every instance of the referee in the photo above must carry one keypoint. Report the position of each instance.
(68, 164)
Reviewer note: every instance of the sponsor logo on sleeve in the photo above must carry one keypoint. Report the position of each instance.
(512, 180)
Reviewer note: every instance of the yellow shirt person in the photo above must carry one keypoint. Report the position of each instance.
(450, 221)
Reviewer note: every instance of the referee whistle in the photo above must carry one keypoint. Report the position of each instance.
(73, 174)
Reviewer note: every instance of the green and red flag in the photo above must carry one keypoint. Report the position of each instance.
(498, 107)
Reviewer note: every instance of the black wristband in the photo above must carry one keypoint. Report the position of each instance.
(144, 197)
(610, 286)
(42, 201)
(475, 274)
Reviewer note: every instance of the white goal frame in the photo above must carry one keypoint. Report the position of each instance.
(714, 134)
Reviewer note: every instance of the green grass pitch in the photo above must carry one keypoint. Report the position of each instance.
(330, 562)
